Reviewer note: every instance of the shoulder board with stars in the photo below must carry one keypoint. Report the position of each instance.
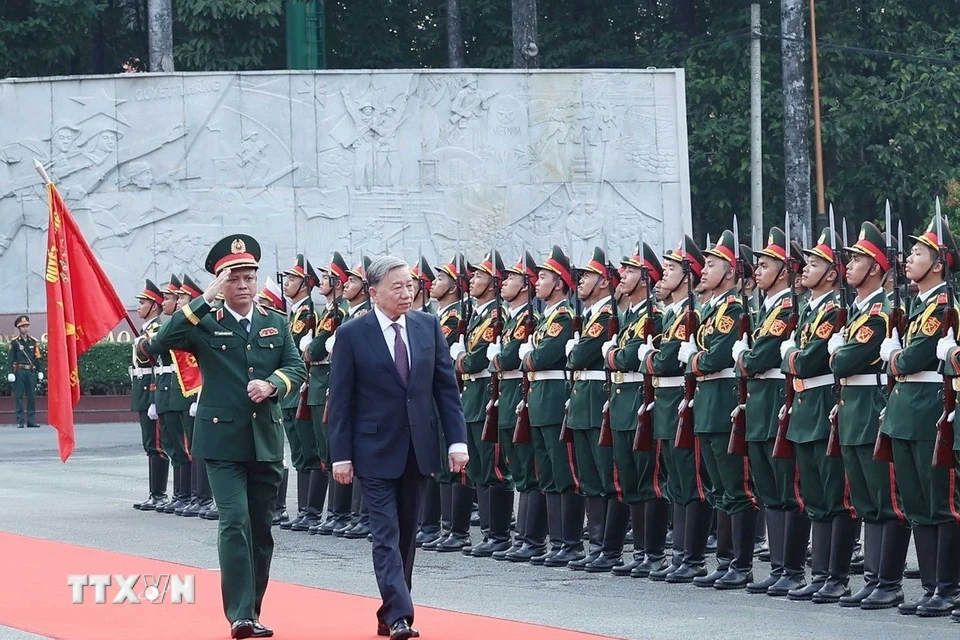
(876, 309)
(942, 298)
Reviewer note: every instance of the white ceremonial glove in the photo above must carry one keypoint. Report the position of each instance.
(645, 349)
(569, 346)
(883, 414)
(328, 345)
(739, 347)
(945, 344)
(525, 349)
(787, 345)
(152, 412)
(606, 346)
(305, 341)
(889, 345)
(11, 377)
(835, 342)
(457, 348)
(493, 350)
(193, 409)
(833, 412)
(687, 349)
(40, 375)
(782, 412)
(951, 416)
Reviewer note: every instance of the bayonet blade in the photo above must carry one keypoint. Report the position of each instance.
(889, 224)
(736, 239)
(708, 242)
(786, 231)
(939, 225)
(938, 206)
(833, 233)
(900, 235)
(843, 223)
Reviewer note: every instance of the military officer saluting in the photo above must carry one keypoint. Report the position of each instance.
(249, 363)
(24, 363)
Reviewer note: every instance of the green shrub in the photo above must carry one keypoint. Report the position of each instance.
(102, 369)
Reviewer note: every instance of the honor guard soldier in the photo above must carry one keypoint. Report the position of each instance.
(544, 361)
(607, 517)
(422, 276)
(913, 411)
(142, 390)
(332, 281)
(24, 362)
(456, 492)
(855, 360)
(522, 317)
(759, 361)
(249, 364)
(271, 297)
(823, 487)
(487, 468)
(298, 283)
(641, 479)
(710, 358)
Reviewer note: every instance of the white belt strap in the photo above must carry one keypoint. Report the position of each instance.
(668, 381)
(140, 371)
(162, 370)
(864, 380)
(620, 377)
(804, 384)
(719, 375)
(534, 376)
(589, 375)
(511, 375)
(476, 376)
(771, 374)
(922, 376)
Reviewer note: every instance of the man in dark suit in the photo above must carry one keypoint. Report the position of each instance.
(389, 370)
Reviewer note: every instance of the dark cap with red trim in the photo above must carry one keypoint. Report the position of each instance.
(233, 252)
(190, 288)
(929, 238)
(776, 245)
(649, 261)
(151, 292)
(559, 265)
(303, 269)
(870, 243)
(423, 272)
(527, 266)
(687, 249)
(724, 249)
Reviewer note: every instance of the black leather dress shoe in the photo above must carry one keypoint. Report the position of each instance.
(260, 631)
(624, 569)
(289, 522)
(937, 606)
(605, 563)
(242, 628)
(910, 608)
(401, 630)
(762, 585)
(213, 513)
(685, 573)
(280, 516)
(490, 547)
(707, 580)
(33, 426)
(734, 579)
(564, 558)
(806, 592)
(525, 553)
(646, 568)
(785, 585)
(831, 592)
(453, 543)
(426, 537)
(502, 555)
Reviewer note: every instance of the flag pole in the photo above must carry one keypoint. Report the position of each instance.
(48, 183)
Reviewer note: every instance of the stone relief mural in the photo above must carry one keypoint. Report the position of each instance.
(155, 167)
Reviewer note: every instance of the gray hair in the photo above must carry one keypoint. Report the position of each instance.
(381, 266)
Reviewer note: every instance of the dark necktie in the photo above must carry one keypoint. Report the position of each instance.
(245, 324)
(400, 354)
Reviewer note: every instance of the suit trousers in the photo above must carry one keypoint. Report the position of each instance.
(245, 493)
(395, 505)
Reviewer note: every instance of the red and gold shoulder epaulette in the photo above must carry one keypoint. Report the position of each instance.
(607, 308)
(942, 298)
(830, 305)
(876, 309)
(453, 313)
(219, 314)
(787, 303)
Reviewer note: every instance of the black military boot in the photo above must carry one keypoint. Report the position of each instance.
(158, 484)
(150, 471)
(186, 489)
(844, 535)
(614, 535)
(740, 572)
(761, 548)
(316, 496)
(280, 515)
(303, 490)
(596, 508)
(520, 530)
(820, 565)
(776, 526)
(572, 508)
(338, 513)
(361, 529)
(554, 507)
(174, 500)
(482, 520)
(872, 546)
(654, 538)
(725, 550)
(795, 537)
(893, 558)
(948, 573)
(697, 522)
(204, 493)
(534, 529)
(501, 513)
(190, 511)
(676, 539)
(637, 522)
(430, 516)
(925, 541)
(446, 505)
(461, 508)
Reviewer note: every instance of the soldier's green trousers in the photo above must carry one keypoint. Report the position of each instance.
(687, 479)
(487, 466)
(173, 436)
(931, 495)
(823, 482)
(776, 479)
(870, 484)
(638, 476)
(445, 476)
(556, 458)
(595, 469)
(520, 460)
(150, 435)
(321, 436)
(303, 444)
(24, 392)
(729, 475)
(245, 493)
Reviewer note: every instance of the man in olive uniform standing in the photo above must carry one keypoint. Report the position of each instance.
(823, 484)
(710, 358)
(24, 363)
(522, 317)
(913, 410)
(855, 360)
(641, 478)
(142, 390)
(488, 467)
(544, 361)
(249, 363)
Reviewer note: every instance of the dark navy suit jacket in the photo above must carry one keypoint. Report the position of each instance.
(374, 416)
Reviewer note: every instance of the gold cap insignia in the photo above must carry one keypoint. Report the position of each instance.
(238, 246)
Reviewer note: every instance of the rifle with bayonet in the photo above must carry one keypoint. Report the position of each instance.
(521, 433)
(336, 320)
(883, 447)
(943, 449)
(613, 329)
(840, 324)
(466, 306)
(566, 433)
(643, 438)
(685, 437)
(783, 448)
(737, 445)
(303, 406)
(491, 424)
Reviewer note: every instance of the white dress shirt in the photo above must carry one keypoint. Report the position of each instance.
(772, 299)
(239, 317)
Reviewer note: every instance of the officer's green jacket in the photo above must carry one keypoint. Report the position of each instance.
(547, 398)
(317, 351)
(716, 398)
(663, 363)
(142, 386)
(626, 397)
(230, 426)
(302, 321)
(25, 351)
(514, 335)
(765, 396)
(860, 406)
(914, 408)
(810, 415)
(480, 334)
(589, 396)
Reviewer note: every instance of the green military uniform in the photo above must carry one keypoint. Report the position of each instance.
(449, 316)
(241, 441)
(25, 364)
(930, 494)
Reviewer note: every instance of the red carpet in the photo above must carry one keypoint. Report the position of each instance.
(35, 597)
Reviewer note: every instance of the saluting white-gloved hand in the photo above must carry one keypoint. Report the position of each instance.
(645, 349)
(889, 345)
(606, 346)
(40, 375)
(328, 345)
(945, 344)
(739, 347)
(569, 346)
(493, 350)
(306, 340)
(525, 349)
(457, 348)
(686, 352)
(787, 345)
(835, 342)
(193, 409)
(11, 377)
(152, 411)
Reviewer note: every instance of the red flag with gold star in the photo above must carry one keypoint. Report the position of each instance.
(82, 308)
